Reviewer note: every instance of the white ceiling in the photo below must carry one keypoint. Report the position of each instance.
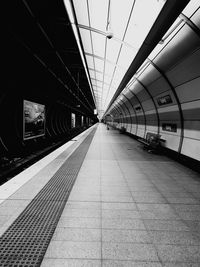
(108, 59)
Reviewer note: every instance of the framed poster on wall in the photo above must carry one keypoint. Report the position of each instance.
(169, 127)
(164, 100)
(33, 120)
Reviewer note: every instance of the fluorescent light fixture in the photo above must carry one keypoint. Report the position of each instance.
(70, 13)
(69, 9)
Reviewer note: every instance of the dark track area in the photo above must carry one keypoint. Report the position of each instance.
(11, 166)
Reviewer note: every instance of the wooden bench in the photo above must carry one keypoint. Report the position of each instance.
(152, 142)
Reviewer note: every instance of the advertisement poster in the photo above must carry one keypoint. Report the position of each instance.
(73, 120)
(34, 120)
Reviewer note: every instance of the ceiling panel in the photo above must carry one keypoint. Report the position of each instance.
(86, 40)
(98, 42)
(119, 15)
(98, 11)
(90, 61)
(81, 11)
(112, 51)
(98, 64)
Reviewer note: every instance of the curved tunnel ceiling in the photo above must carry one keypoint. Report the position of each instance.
(108, 59)
(128, 23)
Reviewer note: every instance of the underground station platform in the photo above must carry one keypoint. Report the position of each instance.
(101, 200)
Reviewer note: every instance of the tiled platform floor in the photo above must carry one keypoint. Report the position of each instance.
(128, 208)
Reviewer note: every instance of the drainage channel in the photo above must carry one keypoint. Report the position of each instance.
(26, 240)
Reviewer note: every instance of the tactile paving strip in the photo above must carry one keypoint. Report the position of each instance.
(26, 240)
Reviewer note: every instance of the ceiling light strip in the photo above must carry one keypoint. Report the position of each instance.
(91, 40)
(70, 11)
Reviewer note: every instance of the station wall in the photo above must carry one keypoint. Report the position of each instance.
(164, 95)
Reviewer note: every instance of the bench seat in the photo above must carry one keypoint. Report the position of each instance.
(152, 141)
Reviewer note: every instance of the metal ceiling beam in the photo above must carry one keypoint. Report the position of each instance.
(101, 81)
(106, 34)
(165, 19)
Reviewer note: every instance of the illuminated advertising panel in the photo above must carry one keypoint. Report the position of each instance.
(73, 120)
(33, 120)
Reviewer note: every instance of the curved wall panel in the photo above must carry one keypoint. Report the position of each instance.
(122, 114)
(133, 116)
(141, 118)
(126, 115)
(116, 116)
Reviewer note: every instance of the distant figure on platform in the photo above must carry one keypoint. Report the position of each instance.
(107, 127)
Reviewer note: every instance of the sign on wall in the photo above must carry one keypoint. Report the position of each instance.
(33, 120)
(138, 108)
(164, 100)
